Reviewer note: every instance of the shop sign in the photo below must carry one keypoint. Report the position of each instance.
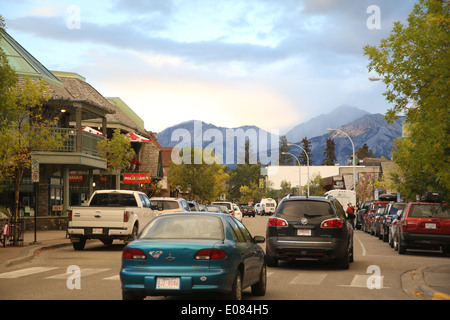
(76, 178)
(136, 178)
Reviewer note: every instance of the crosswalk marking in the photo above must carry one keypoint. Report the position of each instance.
(360, 281)
(301, 278)
(84, 272)
(308, 279)
(25, 272)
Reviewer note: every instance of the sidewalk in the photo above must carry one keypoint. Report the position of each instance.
(429, 283)
(10, 256)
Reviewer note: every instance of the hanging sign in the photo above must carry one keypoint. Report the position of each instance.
(34, 170)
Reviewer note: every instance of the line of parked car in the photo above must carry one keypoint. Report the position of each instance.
(171, 205)
(422, 224)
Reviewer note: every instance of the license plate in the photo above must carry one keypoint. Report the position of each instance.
(97, 230)
(303, 232)
(430, 226)
(168, 283)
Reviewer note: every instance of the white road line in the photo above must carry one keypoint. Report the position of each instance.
(84, 272)
(362, 245)
(360, 281)
(116, 277)
(25, 272)
(309, 278)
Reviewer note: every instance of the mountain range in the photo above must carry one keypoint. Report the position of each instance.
(362, 126)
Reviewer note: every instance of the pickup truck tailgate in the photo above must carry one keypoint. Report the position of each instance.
(96, 216)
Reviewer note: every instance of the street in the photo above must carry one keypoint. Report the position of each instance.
(93, 274)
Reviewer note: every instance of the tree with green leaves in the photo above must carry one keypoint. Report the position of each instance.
(329, 153)
(8, 81)
(118, 152)
(25, 129)
(363, 152)
(206, 181)
(306, 144)
(285, 159)
(414, 62)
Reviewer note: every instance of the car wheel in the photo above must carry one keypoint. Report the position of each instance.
(236, 289)
(344, 263)
(390, 241)
(131, 295)
(259, 288)
(80, 244)
(401, 248)
(271, 261)
(352, 256)
(395, 241)
(133, 235)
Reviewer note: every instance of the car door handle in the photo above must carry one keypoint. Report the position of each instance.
(97, 216)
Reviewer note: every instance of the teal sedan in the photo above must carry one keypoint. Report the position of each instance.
(185, 253)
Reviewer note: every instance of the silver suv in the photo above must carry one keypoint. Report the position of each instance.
(169, 205)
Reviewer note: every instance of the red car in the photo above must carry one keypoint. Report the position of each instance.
(424, 224)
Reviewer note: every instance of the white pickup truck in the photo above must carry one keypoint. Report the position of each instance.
(110, 214)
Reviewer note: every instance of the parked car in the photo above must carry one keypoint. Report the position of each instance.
(232, 209)
(424, 225)
(369, 218)
(360, 214)
(237, 212)
(393, 243)
(170, 205)
(248, 211)
(388, 217)
(110, 215)
(377, 222)
(183, 253)
(312, 227)
(213, 208)
(193, 206)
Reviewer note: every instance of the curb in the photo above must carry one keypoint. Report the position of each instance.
(413, 283)
(31, 253)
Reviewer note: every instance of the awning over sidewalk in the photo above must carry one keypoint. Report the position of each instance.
(92, 130)
(134, 137)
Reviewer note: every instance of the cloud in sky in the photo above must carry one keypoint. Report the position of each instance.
(271, 63)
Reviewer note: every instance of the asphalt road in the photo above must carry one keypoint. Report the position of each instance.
(375, 274)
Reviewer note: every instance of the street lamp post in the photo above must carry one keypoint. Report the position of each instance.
(307, 161)
(353, 146)
(299, 170)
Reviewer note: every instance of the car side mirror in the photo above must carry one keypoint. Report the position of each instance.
(259, 239)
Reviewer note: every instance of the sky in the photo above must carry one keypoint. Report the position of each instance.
(269, 63)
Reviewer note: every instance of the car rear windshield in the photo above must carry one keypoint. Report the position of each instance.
(113, 200)
(305, 208)
(228, 205)
(429, 211)
(184, 227)
(166, 204)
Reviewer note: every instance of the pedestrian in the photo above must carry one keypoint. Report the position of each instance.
(350, 211)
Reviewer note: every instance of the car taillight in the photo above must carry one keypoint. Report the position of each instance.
(126, 216)
(408, 225)
(277, 222)
(70, 215)
(210, 254)
(135, 254)
(332, 223)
